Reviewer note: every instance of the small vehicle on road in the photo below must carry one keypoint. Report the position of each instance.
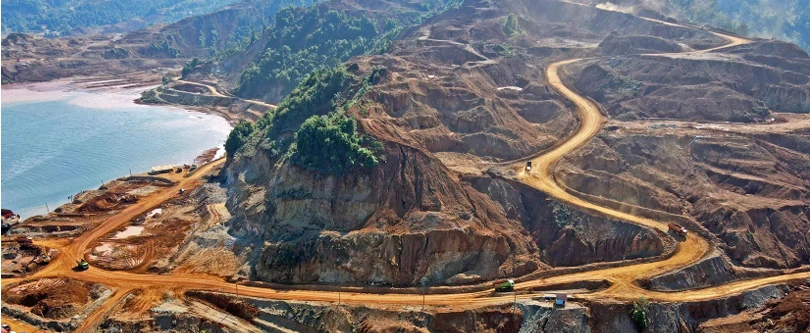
(504, 285)
(529, 166)
(82, 265)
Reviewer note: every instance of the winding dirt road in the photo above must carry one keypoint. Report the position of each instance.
(213, 91)
(621, 278)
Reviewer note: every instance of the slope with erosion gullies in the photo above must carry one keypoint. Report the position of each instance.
(409, 220)
(748, 192)
(790, 313)
(460, 86)
(32, 58)
(741, 84)
(746, 187)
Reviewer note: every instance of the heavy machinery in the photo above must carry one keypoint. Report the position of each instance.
(24, 241)
(504, 285)
(82, 265)
(44, 259)
(677, 229)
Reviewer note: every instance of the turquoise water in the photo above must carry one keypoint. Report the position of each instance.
(54, 149)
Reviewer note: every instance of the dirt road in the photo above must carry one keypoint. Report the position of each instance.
(622, 278)
(214, 92)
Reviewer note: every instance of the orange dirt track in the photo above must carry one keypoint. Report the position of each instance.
(621, 278)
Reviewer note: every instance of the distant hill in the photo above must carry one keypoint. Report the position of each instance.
(69, 17)
(783, 19)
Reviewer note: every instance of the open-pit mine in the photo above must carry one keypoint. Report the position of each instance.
(517, 166)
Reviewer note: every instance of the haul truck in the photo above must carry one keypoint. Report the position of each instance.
(677, 229)
(82, 265)
(504, 285)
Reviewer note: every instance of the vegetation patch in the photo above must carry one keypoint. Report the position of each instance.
(305, 40)
(312, 125)
(331, 144)
(238, 136)
(639, 314)
(511, 26)
(561, 214)
(308, 39)
(621, 85)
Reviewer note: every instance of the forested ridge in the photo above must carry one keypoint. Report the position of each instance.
(306, 39)
(63, 17)
(783, 19)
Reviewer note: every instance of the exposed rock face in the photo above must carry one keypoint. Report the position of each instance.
(408, 223)
(682, 317)
(568, 237)
(707, 272)
(788, 314)
(449, 89)
(539, 317)
(752, 194)
(303, 317)
(447, 114)
(740, 87)
(404, 223)
(768, 309)
(791, 314)
(614, 44)
(710, 271)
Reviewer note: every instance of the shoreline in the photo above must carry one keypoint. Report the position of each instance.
(91, 93)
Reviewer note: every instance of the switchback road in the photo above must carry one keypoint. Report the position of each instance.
(540, 177)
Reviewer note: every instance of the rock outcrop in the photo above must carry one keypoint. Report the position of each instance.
(752, 194)
(404, 223)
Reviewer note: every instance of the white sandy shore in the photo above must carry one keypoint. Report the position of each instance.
(106, 97)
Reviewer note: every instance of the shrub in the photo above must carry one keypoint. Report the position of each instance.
(639, 313)
(189, 67)
(511, 27)
(561, 214)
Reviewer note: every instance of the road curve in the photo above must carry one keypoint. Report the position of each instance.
(541, 178)
(622, 278)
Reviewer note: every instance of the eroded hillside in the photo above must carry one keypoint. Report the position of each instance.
(398, 179)
(452, 96)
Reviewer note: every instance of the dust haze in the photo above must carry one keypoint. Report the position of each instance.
(759, 18)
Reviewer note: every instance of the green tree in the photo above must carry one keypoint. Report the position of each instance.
(189, 67)
(238, 137)
(639, 313)
(511, 27)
